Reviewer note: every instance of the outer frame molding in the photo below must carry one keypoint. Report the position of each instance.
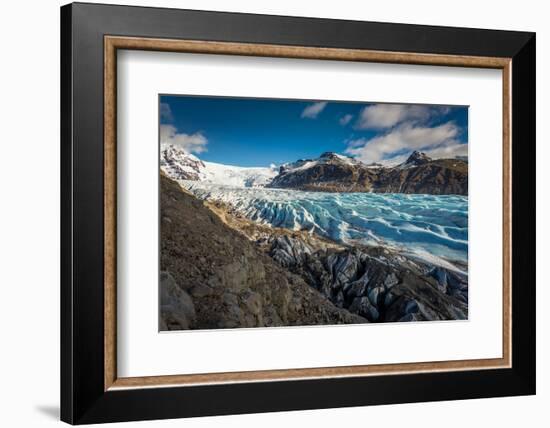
(88, 376)
(114, 43)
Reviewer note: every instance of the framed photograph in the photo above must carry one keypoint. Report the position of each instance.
(266, 213)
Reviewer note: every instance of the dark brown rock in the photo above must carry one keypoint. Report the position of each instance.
(419, 174)
(233, 283)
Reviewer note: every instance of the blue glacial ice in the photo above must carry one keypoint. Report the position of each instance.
(430, 226)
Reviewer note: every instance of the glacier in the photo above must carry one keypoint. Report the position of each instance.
(237, 176)
(181, 165)
(431, 227)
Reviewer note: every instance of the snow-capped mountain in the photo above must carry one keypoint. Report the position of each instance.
(416, 158)
(180, 165)
(325, 159)
(328, 172)
(332, 172)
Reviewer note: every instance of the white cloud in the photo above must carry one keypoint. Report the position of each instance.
(448, 151)
(345, 119)
(437, 142)
(381, 116)
(166, 113)
(313, 110)
(191, 143)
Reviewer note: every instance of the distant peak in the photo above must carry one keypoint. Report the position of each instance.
(418, 158)
(335, 156)
(173, 147)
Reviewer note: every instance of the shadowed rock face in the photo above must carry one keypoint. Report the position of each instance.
(417, 158)
(376, 283)
(331, 172)
(215, 277)
(334, 173)
(435, 177)
(176, 306)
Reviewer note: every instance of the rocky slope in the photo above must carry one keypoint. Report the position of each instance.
(213, 276)
(335, 173)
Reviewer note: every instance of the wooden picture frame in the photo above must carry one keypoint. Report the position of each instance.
(91, 390)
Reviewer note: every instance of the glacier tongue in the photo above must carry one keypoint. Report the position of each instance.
(180, 165)
(426, 225)
(237, 176)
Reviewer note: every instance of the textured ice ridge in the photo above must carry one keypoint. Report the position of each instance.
(430, 225)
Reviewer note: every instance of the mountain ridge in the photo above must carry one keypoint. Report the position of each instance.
(330, 172)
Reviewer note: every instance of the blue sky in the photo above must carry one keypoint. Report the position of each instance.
(260, 132)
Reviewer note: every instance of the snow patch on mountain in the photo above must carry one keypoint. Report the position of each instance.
(180, 165)
(415, 159)
(216, 173)
(324, 159)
